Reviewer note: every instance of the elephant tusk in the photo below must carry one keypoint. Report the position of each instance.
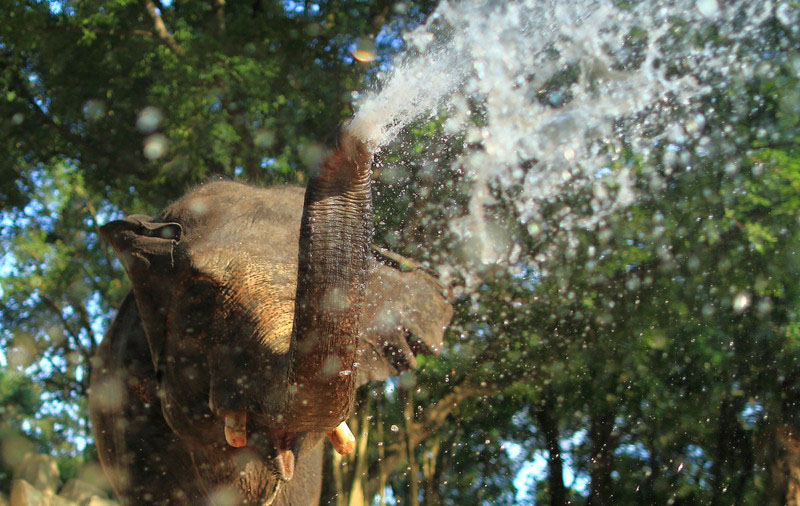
(286, 464)
(236, 428)
(342, 439)
(284, 455)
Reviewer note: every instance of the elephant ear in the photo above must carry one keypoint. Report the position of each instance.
(147, 251)
(406, 312)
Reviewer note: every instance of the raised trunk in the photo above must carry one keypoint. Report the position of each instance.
(335, 237)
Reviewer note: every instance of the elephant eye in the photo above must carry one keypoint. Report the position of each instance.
(171, 231)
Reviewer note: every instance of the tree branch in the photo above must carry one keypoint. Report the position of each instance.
(104, 249)
(219, 11)
(547, 423)
(251, 163)
(50, 303)
(161, 29)
(435, 417)
(62, 129)
(83, 318)
(776, 145)
(413, 478)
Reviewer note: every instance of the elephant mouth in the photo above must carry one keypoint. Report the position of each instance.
(235, 423)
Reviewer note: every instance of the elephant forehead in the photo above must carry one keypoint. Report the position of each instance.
(260, 291)
(248, 237)
(242, 218)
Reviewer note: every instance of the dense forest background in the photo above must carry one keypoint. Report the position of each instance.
(656, 361)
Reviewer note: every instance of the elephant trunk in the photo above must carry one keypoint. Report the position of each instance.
(335, 238)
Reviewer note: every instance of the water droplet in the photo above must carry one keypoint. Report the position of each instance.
(264, 138)
(149, 119)
(741, 302)
(93, 109)
(708, 8)
(364, 51)
(155, 146)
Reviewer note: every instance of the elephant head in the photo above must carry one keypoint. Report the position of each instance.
(254, 335)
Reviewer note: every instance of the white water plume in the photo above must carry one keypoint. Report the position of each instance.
(415, 87)
(561, 87)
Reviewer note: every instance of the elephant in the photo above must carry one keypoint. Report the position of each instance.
(254, 315)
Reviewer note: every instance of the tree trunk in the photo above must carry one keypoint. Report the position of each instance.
(430, 473)
(555, 465)
(652, 482)
(790, 440)
(733, 460)
(602, 462)
(781, 454)
(381, 452)
(358, 475)
(413, 481)
(722, 452)
(338, 479)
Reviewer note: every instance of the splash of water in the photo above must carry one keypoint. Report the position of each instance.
(415, 87)
(560, 87)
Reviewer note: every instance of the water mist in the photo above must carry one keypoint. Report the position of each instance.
(562, 88)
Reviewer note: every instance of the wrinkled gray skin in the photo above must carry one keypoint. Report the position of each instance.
(217, 322)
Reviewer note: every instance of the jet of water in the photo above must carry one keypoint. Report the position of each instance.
(561, 86)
